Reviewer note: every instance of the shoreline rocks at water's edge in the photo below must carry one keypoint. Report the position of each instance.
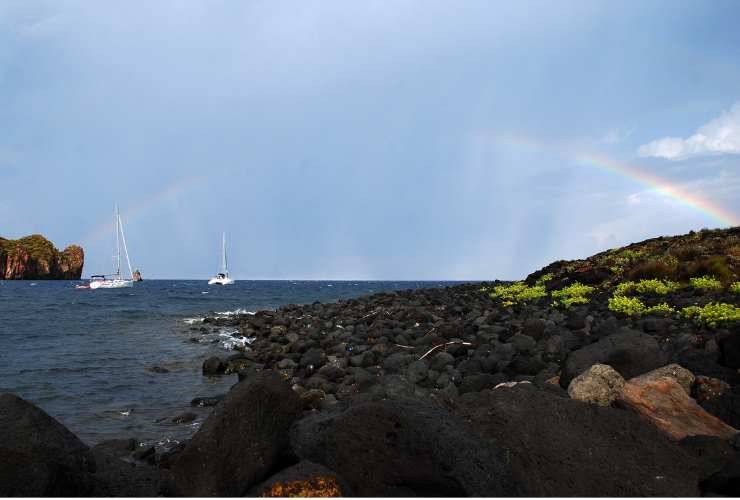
(446, 391)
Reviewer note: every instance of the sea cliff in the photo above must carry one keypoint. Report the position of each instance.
(35, 257)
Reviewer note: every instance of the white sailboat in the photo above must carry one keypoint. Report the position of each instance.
(222, 278)
(115, 280)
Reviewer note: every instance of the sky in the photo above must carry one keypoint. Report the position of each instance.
(408, 140)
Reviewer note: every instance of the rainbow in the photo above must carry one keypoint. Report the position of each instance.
(632, 172)
(130, 213)
(662, 186)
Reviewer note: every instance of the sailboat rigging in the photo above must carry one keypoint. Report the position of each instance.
(222, 278)
(116, 280)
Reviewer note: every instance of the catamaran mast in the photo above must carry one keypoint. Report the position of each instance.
(223, 253)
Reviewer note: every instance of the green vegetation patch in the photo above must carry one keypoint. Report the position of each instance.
(735, 287)
(573, 294)
(706, 283)
(517, 292)
(626, 305)
(655, 286)
(713, 314)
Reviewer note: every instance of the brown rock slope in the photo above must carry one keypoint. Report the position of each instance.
(35, 257)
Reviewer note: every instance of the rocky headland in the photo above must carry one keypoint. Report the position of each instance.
(35, 258)
(615, 375)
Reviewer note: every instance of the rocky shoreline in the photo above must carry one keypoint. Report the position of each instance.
(470, 390)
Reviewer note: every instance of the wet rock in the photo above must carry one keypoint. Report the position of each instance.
(304, 479)
(600, 385)
(561, 447)
(185, 418)
(214, 366)
(242, 440)
(158, 369)
(38, 455)
(144, 453)
(402, 447)
(207, 401)
(664, 403)
(628, 352)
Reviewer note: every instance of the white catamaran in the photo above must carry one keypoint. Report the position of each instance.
(115, 280)
(222, 278)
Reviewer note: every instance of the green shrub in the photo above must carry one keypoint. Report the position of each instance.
(713, 314)
(517, 292)
(706, 283)
(543, 279)
(626, 305)
(660, 308)
(572, 294)
(658, 287)
(735, 287)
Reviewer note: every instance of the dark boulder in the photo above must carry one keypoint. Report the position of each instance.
(242, 440)
(214, 366)
(561, 447)
(730, 349)
(629, 352)
(117, 476)
(726, 407)
(38, 455)
(402, 448)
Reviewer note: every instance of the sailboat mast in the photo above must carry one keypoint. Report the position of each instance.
(125, 250)
(118, 244)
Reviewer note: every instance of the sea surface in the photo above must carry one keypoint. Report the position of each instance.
(87, 356)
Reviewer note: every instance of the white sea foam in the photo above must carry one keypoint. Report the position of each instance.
(232, 342)
(236, 312)
(192, 321)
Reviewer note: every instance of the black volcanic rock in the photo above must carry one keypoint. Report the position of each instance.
(241, 442)
(402, 447)
(38, 455)
(561, 447)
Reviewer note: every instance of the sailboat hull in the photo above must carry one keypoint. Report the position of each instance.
(111, 284)
(220, 281)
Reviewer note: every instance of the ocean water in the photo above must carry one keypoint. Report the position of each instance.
(85, 356)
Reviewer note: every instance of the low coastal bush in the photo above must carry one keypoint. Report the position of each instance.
(658, 287)
(626, 305)
(713, 314)
(654, 269)
(543, 279)
(573, 294)
(633, 305)
(735, 287)
(660, 308)
(706, 283)
(517, 292)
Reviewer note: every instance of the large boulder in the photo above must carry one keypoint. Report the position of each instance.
(678, 373)
(402, 447)
(664, 403)
(241, 442)
(562, 447)
(600, 384)
(629, 352)
(730, 349)
(38, 455)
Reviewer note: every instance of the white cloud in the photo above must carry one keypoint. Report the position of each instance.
(719, 136)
